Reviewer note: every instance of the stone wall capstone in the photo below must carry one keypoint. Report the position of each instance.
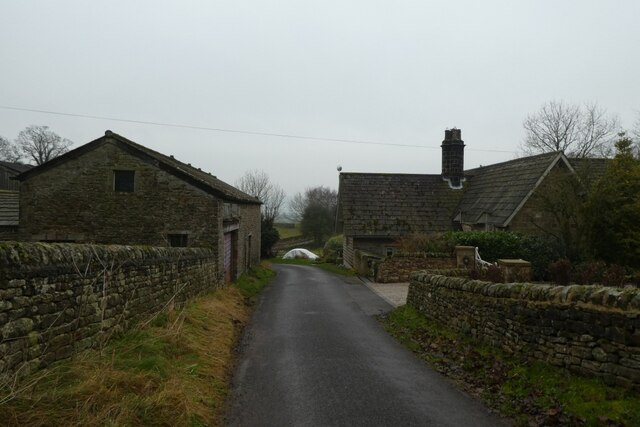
(590, 330)
(57, 299)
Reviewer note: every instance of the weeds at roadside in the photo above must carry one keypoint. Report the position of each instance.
(530, 393)
(174, 371)
(252, 283)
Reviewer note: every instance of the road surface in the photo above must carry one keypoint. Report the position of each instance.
(313, 355)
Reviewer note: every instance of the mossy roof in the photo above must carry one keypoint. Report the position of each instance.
(15, 167)
(495, 193)
(391, 205)
(376, 205)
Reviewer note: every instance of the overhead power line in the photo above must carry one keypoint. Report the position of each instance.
(238, 131)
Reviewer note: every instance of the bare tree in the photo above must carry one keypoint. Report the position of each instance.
(297, 205)
(578, 130)
(8, 151)
(41, 144)
(257, 184)
(322, 196)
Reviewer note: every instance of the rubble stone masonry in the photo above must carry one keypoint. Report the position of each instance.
(398, 268)
(57, 299)
(76, 202)
(590, 330)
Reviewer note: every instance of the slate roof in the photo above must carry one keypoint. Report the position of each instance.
(9, 208)
(380, 205)
(494, 193)
(8, 171)
(374, 204)
(194, 176)
(15, 167)
(590, 169)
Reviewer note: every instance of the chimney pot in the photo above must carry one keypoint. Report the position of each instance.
(453, 157)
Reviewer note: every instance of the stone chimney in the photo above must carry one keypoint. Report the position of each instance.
(453, 157)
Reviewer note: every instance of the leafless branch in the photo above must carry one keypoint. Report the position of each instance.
(257, 184)
(41, 144)
(578, 130)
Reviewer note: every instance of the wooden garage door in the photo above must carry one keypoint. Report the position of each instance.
(227, 257)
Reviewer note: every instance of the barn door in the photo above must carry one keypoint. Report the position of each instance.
(227, 257)
(230, 256)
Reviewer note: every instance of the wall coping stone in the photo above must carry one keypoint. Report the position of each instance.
(421, 255)
(592, 296)
(515, 261)
(32, 257)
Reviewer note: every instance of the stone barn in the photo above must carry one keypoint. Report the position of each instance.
(115, 191)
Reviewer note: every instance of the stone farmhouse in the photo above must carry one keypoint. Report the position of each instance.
(115, 191)
(375, 210)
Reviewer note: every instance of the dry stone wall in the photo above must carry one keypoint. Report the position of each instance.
(590, 330)
(398, 267)
(58, 299)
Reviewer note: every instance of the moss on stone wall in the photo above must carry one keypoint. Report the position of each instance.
(57, 299)
(398, 268)
(591, 330)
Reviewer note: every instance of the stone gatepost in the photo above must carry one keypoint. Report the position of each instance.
(466, 257)
(515, 270)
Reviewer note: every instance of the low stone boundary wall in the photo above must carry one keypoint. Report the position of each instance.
(58, 299)
(398, 267)
(590, 330)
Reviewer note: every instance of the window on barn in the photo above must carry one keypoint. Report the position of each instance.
(180, 240)
(123, 181)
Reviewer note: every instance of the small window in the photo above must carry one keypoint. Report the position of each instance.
(178, 240)
(123, 181)
(389, 251)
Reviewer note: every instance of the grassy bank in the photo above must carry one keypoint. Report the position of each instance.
(530, 393)
(327, 266)
(172, 371)
(287, 232)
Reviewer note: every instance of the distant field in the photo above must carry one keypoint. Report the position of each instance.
(286, 232)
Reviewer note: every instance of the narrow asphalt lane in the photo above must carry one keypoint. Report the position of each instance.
(313, 355)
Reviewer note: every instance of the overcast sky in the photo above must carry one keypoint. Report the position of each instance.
(393, 72)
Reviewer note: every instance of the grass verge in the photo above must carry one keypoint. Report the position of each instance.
(287, 232)
(173, 371)
(532, 394)
(251, 284)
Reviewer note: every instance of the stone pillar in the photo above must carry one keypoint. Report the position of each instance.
(466, 257)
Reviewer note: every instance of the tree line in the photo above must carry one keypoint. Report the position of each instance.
(314, 209)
